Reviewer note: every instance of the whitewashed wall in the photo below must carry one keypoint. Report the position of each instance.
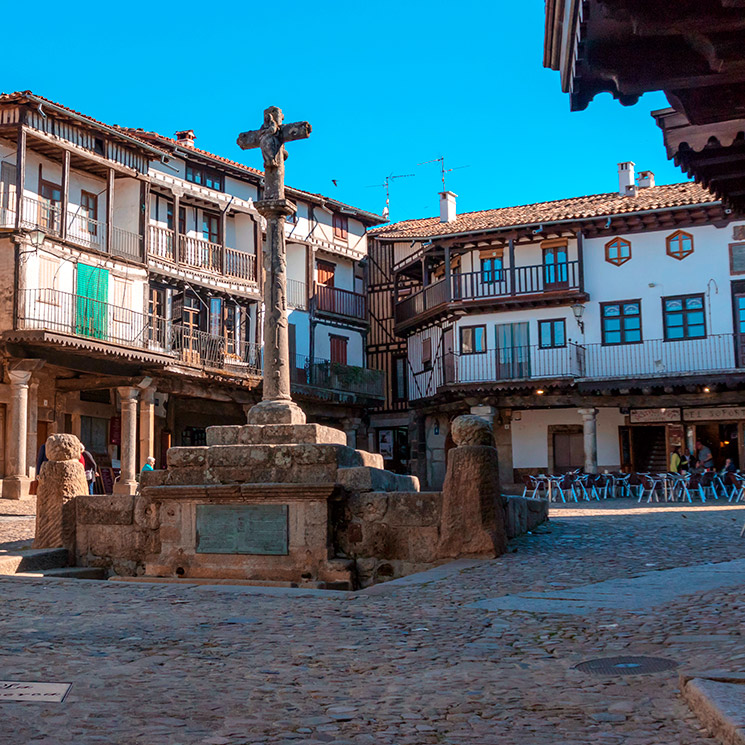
(530, 435)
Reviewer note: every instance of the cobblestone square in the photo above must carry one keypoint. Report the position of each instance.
(407, 663)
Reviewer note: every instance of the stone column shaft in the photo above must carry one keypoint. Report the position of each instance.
(16, 483)
(127, 483)
(276, 406)
(147, 425)
(589, 428)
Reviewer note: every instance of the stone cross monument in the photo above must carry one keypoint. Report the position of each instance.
(277, 406)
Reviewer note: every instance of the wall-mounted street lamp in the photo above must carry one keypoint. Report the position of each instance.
(579, 310)
(37, 237)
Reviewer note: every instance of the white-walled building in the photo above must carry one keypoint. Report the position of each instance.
(613, 319)
(131, 273)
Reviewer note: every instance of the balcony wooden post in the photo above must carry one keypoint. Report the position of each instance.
(176, 227)
(145, 218)
(511, 245)
(65, 188)
(448, 274)
(20, 174)
(580, 253)
(223, 238)
(109, 208)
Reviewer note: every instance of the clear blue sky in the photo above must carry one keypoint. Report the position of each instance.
(386, 85)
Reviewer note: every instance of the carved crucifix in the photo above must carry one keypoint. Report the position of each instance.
(276, 406)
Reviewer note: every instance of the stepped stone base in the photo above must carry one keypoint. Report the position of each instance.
(275, 434)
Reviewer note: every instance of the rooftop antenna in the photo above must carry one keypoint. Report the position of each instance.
(443, 170)
(387, 185)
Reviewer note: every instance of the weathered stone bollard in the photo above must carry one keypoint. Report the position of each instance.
(473, 521)
(61, 478)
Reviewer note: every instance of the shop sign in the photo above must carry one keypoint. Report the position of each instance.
(385, 443)
(649, 416)
(715, 413)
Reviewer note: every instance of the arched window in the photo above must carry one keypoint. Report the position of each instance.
(618, 251)
(679, 244)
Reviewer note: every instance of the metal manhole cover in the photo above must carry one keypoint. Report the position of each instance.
(626, 665)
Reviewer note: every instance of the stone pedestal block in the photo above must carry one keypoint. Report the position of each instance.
(473, 522)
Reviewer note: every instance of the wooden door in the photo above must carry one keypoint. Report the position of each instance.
(325, 272)
(569, 452)
(555, 269)
(49, 203)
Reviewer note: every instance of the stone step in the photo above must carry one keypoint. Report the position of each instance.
(68, 573)
(275, 434)
(33, 560)
(228, 464)
(366, 478)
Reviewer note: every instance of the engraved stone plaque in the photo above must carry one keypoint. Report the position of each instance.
(242, 529)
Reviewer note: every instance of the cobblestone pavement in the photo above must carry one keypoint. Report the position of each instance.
(409, 666)
(16, 521)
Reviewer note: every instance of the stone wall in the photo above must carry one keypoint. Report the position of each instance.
(392, 534)
(109, 537)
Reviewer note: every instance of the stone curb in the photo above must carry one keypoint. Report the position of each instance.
(718, 702)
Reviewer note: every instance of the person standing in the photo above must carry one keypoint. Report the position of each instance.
(705, 458)
(685, 461)
(91, 469)
(675, 460)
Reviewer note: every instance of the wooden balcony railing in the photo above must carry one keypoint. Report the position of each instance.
(80, 229)
(502, 283)
(340, 302)
(200, 254)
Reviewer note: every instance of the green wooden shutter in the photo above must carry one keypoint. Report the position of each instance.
(92, 301)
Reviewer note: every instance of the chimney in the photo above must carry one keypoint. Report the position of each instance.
(447, 206)
(645, 179)
(626, 178)
(186, 137)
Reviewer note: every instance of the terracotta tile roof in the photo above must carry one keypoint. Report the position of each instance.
(26, 96)
(369, 218)
(577, 208)
(148, 138)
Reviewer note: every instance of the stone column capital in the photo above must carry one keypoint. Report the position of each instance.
(128, 392)
(147, 395)
(590, 413)
(19, 377)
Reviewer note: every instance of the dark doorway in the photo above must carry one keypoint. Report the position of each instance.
(649, 449)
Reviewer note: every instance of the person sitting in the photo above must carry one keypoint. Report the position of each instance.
(149, 464)
(729, 467)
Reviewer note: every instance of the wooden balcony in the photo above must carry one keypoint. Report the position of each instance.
(75, 228)
(322, 375)
(518, 286)
(197, 253)
(107, 328)
(338, 303)
(580, 363)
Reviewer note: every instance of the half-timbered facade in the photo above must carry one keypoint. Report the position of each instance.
(598, 331)
(130, 292)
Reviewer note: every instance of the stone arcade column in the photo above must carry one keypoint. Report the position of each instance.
(147, 424)
(16, 483)
(127, 483)
(589, 428)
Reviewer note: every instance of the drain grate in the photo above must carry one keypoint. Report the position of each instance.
(626, 665)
